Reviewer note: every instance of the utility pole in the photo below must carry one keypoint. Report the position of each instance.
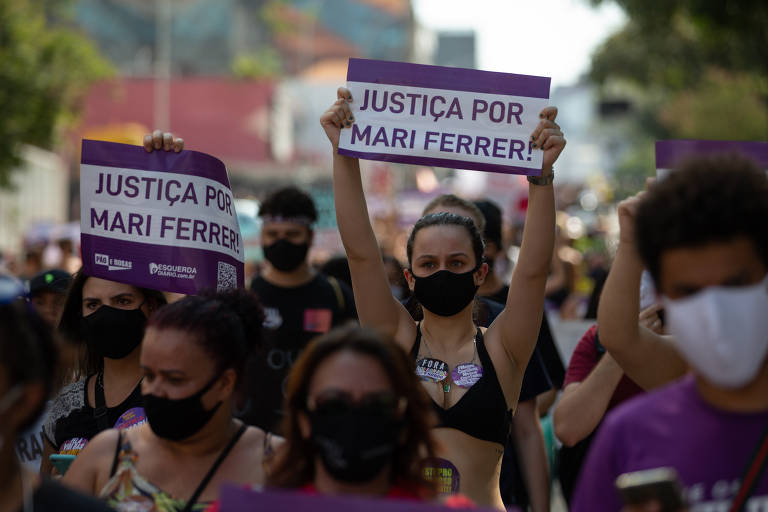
(162, 90)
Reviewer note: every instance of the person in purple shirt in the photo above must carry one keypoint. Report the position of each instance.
(701, 233)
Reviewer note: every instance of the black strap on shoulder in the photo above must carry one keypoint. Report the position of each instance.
(214, 467)
(751, 477)
(337, 291)
(117, 454)
(100, 411)
(417, 342)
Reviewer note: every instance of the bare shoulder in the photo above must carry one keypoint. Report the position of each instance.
(259, 443)
(253, 435)
(104, 442)
(89, 469)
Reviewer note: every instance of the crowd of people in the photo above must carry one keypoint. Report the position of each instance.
(420, 380)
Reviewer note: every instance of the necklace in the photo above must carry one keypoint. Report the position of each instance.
(464, 375)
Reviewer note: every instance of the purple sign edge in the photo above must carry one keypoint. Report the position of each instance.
(442, 162)
(194, 163)
(137, 277)
(239, 499)
(441, 77)
(670, 152)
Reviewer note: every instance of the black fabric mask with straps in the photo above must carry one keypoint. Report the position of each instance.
(113, 332)
(445, 293)
(178, 419)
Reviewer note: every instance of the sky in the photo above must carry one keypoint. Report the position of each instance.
(552, 38)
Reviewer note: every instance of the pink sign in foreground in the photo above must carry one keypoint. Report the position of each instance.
(159, 220)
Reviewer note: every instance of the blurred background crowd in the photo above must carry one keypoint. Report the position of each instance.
(246, 81)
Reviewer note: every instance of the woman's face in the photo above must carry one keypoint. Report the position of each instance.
(443, 247)
(347, 374)
(175, 366)
(98, 292)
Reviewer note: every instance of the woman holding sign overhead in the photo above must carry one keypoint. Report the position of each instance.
(472, 375)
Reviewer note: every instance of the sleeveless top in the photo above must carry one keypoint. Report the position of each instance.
(72, 422)
(482, 412)
(128, 491)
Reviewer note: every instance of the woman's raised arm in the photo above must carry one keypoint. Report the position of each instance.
(376, 306)
(517, 327)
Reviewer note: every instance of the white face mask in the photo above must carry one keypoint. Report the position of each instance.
(722, 332)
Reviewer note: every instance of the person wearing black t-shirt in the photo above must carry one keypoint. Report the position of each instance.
(299, 303)
(27, 373)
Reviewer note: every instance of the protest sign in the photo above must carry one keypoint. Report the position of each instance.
(670, 153)
(444, 117)
(160, 220)
(236, 499)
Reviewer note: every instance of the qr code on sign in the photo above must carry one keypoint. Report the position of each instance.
(226, 278)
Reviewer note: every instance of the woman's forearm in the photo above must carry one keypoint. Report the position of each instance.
(538, 232)
(351, 210)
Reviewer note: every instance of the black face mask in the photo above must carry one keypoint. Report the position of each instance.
(112, 332)
(181, 418)
(286, 256)
(445, 293)
(355, 445)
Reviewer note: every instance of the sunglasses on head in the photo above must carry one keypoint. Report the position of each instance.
(334, 401)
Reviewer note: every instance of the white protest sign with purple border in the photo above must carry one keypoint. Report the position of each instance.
(160, 220)
(670, 153)
(444, 117)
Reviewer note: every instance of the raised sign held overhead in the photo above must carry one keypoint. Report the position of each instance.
(159, 220)
(444, 117)
(670, 153)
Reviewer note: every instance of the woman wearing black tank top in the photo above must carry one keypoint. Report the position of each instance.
(192, 360)
(454, 358)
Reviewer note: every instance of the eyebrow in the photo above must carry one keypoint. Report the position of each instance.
(126, 295)
(170, 372)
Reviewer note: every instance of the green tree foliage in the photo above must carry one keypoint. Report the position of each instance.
(692, 68)
(44, 71)
(264, 63)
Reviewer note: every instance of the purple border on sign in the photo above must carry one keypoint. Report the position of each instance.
(442, 162)
(238, 499)
(441, 77)
(670, 152)
(193, 163)
(141, 254)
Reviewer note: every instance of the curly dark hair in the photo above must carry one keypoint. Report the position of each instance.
(294, 465)
(707, 199)
(227, 325)
(289, 202)
(449, 219)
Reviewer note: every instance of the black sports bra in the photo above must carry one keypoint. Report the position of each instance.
(482, 411)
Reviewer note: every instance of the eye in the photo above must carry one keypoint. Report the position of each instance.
(124, 301)
(147, 376)
(91, 305)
